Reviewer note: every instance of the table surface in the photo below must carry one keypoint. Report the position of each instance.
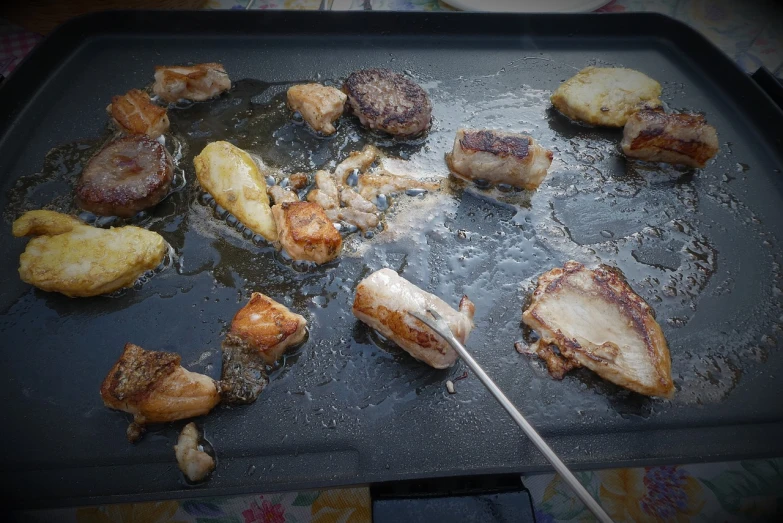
(749, 32)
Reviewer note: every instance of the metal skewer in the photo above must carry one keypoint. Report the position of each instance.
(440, 327)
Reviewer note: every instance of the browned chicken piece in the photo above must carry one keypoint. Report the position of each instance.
(191, 458)
(672, 138)
(597, 321)
(155, 388)
(306, 232)
(298, 181)
(383, 301)
(356, 161)
(192, 82)
(260, 332)
(135, 113)
(372, 185)
(499, 157)
(282, 194)
(362, 220)
(319, 105)
(388, 101)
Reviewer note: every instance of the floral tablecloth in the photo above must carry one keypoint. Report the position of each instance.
(751, 33)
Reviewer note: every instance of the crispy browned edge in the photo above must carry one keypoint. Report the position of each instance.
(640, 313)
(490, 142)
(136, 373)
(145, 105)
(657, 137)
(299, 215)
(242, 328)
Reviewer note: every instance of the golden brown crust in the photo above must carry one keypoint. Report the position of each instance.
(136, 374)
(307, 233)
(499, 145)
(673, 133)
(135, 112)
(398, 323)
(263, 323)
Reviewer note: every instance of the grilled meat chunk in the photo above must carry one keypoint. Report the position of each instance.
(389, 102)
(282, 194)
(79, 260)
(127, 176)
(190, 82)
(499, 157)
(231, 176)
(597, 321)
(357, 161)
(383, 301)
(135, 113)
(260, 332)
(672, 138)
(606, 95)
(306, 232)
(191, 458)
(155, 388)
(319, 105)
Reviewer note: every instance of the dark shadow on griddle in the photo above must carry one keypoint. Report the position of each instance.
(567, 128)
(628, 404)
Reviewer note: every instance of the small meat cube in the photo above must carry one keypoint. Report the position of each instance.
(135, 113)
(606, 95)
(672, 138)
(192, 460)
(282, 194)
(306, 232)
(319, 105)
(499, 157)
(190, 82)
(298, 181)
(267, 327)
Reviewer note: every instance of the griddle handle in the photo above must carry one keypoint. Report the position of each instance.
(769, 84)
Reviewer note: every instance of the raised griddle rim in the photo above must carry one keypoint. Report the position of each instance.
(765, 117)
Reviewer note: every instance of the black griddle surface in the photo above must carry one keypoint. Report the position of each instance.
(702, 247)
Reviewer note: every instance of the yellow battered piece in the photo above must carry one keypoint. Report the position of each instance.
(231, 176)
(78, 260)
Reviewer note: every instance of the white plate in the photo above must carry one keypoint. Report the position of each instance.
(527, 6)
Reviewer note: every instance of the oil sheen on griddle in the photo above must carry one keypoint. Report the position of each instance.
(489, 244)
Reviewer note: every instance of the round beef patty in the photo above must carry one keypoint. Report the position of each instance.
(389, 102)
(128, 175)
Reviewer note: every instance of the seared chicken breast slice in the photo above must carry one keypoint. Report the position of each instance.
(260, 333)
(606, 95)
(655, 136)
(319, 105)
(383, 301)
(135, 113)
(78, 260)
(597, 321)
(191, 458)
(499, 157)
(155, 388)
(190, 82)
(231, 176)
(306, 232)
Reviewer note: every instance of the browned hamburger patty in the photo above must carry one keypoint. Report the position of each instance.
(128, 175)
(389, 102)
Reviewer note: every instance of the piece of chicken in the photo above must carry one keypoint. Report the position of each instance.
(354, 200)
(135, 113)
(260, 333)
(155, 388)
(190, 82)
(383, 301)
(596, 320)
(357, 210)
(673, 138)
(282, 194)
(319, 105)
(499, 157)
(306, 232)
(191, 458)
(326, 194)
(79, 260)
(606, 95)
(231, 176)
(371, 185)
(356, 161)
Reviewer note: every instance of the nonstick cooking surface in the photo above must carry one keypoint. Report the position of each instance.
(701, 246)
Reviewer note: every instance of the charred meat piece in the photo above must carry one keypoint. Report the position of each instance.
(155, 388)
(127, 176)
(191, 458)
(134, 113)
(190, 82)
(597, 321)
(389, 102)
(499, 157)
(606, 95)
(672, 138)
(306, 232)
(260, 332)
(383, 301)
(319, 105)
(79, 260)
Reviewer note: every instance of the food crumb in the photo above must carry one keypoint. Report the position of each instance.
(450, 387)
